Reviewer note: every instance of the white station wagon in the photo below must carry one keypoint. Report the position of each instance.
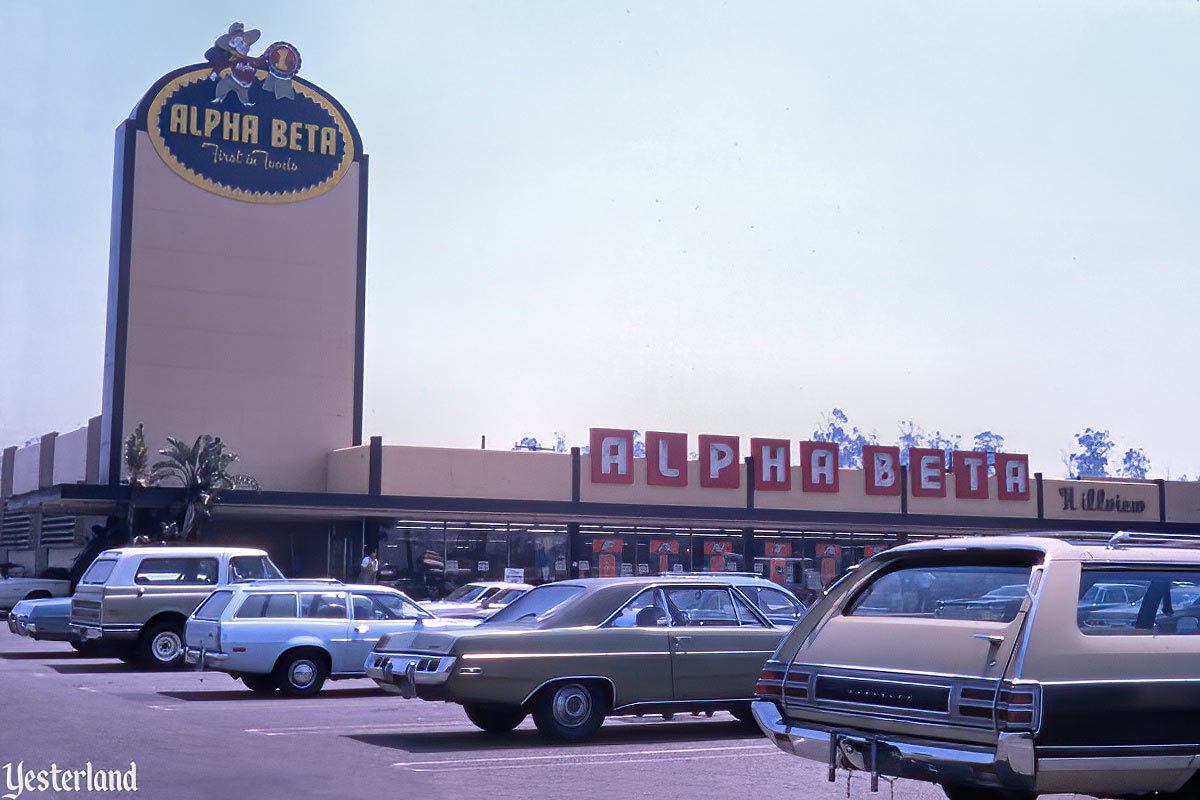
(293, 635)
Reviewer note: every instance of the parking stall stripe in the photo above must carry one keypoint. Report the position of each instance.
(647, 759)
(484, 762)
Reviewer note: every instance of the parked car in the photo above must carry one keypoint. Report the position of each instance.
(477, 600)
(576, 651)
(139, 598)
(998, 603)
(44, 619)
(998, 706)
(16, 586)
(294, 635)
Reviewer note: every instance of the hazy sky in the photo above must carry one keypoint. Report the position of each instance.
(691, 216)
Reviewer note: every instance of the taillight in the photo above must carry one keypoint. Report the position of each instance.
(770, 682)
(1017, 707)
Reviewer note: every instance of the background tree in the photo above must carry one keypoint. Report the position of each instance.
(990, 443)
(137, 466)
(1091, 459)
(1135, 464)
(836, 429)
(203, 470)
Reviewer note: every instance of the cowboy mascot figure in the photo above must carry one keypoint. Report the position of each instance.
(231, 51)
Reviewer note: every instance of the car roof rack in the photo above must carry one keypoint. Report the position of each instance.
(1143, 539)
(709, 574)
(257, 581)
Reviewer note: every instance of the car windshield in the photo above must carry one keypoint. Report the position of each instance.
(250, 568)
(99, 571)
(507, 596)
(467, 594)
(534, 605)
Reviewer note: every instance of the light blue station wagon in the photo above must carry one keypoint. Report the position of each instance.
(292, 635)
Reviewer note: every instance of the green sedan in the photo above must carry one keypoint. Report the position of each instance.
(573, 652)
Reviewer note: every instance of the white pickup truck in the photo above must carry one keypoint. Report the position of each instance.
(15, 587)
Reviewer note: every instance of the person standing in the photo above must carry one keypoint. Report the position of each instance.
(369, 568)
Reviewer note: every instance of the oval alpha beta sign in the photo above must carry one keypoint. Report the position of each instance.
(243, 127)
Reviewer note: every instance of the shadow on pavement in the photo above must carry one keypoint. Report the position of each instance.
(246, 694)
(611, 733)
(49, 655)
(97, 669)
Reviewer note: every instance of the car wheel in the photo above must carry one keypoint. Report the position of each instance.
(260, 684)
(496, 720)
(162, 646)
(37, 594)
(301, 673)
(570, 711)
(984, 793)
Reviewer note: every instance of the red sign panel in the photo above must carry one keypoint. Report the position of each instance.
(819, 467)
(1012, 476)
(612, 455)
(719, 462)
(777, 549)
(881, 466)
(716, 552)
(970, 474)
(772, 464)
(927, 469)
(666, 459)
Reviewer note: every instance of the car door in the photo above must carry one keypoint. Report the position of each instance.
(325, 616)
(718, 643)
(373, 615)
(633, 651)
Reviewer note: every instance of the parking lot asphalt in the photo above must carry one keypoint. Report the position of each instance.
(203, 735)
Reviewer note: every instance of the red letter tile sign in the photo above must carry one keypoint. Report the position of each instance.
(666, 459)
(719, 462)
(927, 467)
(818, 467)
(970, 474)
(612, 455)
(881, 466)
(772, 464)
(1012, 476)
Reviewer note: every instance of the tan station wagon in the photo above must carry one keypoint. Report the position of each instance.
(573, 652)
(139, 598)
(987, 665)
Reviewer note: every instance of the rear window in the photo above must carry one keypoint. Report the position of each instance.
(323, 605)
(99, 571)
(534, 605)
(1139, 602)
(213, 606)
(176, 572)
(259, 606)
(979, 592)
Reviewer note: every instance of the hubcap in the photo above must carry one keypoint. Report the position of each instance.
(303, 673)
(167, 646)
(572, 705)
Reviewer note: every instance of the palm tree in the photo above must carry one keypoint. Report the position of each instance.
(203, 469)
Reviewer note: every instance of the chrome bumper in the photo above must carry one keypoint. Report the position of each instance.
(1010, 764)
(87, 632)
(202, 658)
(15, 625)
(401, 673)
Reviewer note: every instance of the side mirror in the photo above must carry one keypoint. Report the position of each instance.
(486, 603)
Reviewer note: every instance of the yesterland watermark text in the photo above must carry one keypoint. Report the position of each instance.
(18, 780)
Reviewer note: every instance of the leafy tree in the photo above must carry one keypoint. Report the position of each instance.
(990, 443)
(1091, 460)
(531, 443)
(203, 470)
(1135, 464)
(136, 458)
(836, 429)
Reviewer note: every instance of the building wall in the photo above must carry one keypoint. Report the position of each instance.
(242, 322)
(71, 457)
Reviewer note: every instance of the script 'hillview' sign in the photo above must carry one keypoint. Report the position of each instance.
(246, 128)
